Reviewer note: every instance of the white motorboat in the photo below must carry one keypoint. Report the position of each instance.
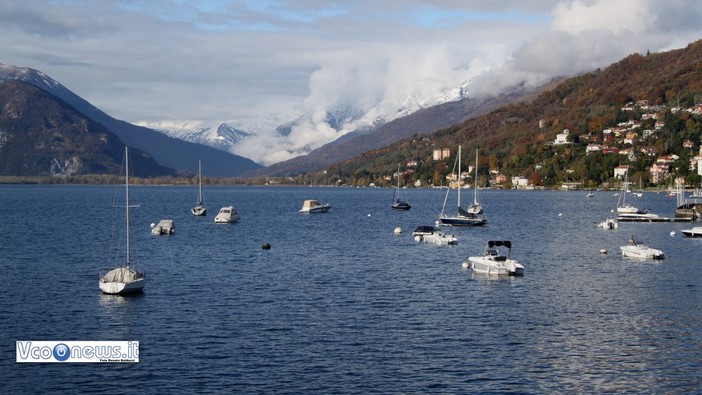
(124, 279)
(431, 235)
(637, 249)
(164, 227)
(694, 232)
(227, 215)
(609, 223)
(639, 217)
(473, 216)
(493, 262)
(199, 209)
(311, 206)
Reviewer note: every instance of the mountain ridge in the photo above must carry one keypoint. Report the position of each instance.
(168, 151)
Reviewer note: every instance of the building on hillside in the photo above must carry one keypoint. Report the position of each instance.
(592, 148)
(659, 172)
(620, 171)
(562, 138)
(631, 138)
(520, 182)
(441, 154)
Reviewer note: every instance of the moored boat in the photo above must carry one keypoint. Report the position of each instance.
(637, 249)
(493, 262)
(431, 235)
(227, 215)
(694, 232)
(124, 279)
(311, 206)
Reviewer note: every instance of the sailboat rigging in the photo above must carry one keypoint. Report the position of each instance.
(124, 279)
(199, 209)
(397, 202)
(471, 217)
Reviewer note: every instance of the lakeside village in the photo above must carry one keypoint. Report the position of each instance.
(630, 140)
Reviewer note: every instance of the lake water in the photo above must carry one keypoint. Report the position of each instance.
(341, 304)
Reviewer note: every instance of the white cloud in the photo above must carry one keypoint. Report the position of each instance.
(222, 60)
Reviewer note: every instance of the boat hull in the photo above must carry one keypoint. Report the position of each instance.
(199, 211)
(401, 206)
(694, 232)
(122, 280)
(463, 221)
(316, 210)
(638, 252)
(508, 267)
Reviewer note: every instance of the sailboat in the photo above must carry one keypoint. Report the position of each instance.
(124, 279)
(199, 209)
(471, 217)
(397, 202)
(622, 205)
(475, 208)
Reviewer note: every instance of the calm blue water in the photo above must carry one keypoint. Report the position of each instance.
(340, 304)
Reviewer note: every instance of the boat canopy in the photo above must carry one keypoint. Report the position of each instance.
(425, 229)
(310, 203)
(499, 243)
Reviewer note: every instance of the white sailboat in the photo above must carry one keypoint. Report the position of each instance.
(622, 205)
(475, 208)
(199, 209)
(471, 217)
(124, 279)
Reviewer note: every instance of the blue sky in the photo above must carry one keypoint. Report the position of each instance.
(257, 63)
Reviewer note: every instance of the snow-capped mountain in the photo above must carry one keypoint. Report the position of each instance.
(347, 119)
(222, 136)
(170, 152)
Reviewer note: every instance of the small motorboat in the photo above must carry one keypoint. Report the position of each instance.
(431, 235)
(637, 249)
(493, 262)
(609, 223)
(164, 227)
(694, 232)
(227, 215)
(313, 206)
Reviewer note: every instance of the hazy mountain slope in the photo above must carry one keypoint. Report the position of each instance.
(168, 151)
(41, 135)
(421, 122)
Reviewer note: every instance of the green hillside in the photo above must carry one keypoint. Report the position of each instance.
(654, 93)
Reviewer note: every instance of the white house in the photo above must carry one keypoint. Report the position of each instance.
(620, 171)
(562, 138)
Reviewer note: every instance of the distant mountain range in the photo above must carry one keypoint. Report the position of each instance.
(168, 151)
(347, 119)
(420, 122)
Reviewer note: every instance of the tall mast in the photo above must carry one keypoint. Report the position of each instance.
(459, 176)
(126, 189)
(475, 181)
(199, 174)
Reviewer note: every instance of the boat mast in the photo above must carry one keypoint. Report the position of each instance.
(199, 176)
(475, 199)
(459, 176)
(126, 189)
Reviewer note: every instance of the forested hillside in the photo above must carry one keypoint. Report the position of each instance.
(635, 111)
